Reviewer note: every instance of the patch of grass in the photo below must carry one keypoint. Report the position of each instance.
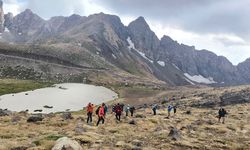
(53, 137)
(153, 121)
(8, 86)
(37, 143)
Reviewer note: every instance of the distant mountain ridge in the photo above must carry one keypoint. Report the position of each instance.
(102, 41)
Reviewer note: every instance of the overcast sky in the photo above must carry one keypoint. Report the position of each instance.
(221, 26)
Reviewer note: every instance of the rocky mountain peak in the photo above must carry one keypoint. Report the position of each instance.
(1, 17)
(167, 39)
(27, 19)
(28, 13)
(8, 20)
(140, 22)
(144, 38)
(110, 23)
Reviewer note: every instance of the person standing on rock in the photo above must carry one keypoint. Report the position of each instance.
(222, 113)
(127, 108)
(118, 112)
(154, 108)
(101, 114)
(90, 109)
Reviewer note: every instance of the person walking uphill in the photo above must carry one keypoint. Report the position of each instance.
(132, 109)
(222, 113)
(175, 109)
(101, 114)
(118, 112)
(170, 107)
(90, 109)
(127, 108)
(154, 108)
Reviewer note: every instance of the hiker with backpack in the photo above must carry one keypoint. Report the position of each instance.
(90, 109)
(100, 111)
(105, 109)
(222, 113)
(154, 108)
(132, 109)
(175, 109)
(170, 107)
(118, 112)
(127, 108)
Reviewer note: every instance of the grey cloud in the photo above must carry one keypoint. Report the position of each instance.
(49, 8)
(227, 42)
(200, 16)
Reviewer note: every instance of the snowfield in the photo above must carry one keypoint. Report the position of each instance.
(132, 46)
(200, 79)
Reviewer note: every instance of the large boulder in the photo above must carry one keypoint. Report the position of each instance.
(79, 128)
(65, 143)
(137, 143)
(133, 122)
(35, 118)
(174, 134)
(5, 112)
(67, 116)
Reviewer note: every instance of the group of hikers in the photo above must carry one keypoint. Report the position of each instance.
(102, 110)
(170, 108)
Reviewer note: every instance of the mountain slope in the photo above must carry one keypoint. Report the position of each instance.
(102, 41)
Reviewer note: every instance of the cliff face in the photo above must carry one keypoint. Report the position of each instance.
(1, 17)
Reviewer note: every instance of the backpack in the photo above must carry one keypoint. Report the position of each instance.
(105, 109)
(154, 107)
(118, 109)
(97, 110)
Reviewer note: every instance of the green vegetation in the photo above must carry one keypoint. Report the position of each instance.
(53, 137)
(14, 86)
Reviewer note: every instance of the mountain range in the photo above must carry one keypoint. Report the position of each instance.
(99, 48)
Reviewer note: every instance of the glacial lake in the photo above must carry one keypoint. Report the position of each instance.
(66, 96)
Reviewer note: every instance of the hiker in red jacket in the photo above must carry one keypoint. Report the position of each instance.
(90, 109)
(101, 114)
(118, 112)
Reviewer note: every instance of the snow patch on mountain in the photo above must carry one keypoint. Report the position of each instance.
(189, 81)
(132, 46)
(6, 30)
(200, 79)
(114, 56)
(162, 63)
(176, 66)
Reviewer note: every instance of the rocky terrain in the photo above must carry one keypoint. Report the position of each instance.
(194, 126)
(76, 47)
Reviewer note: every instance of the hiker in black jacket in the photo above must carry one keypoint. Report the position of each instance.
(222, 113)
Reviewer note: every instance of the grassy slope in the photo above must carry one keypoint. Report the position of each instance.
(13, 86)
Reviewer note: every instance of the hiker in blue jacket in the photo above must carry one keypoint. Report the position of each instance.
(170, 107)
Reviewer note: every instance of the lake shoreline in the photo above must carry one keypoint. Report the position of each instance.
(60, 97)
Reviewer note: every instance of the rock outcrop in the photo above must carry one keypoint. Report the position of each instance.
(65, 143)
(5, 112)
(144, 38)
(35, 118)
(1, 17)
(8, 20)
